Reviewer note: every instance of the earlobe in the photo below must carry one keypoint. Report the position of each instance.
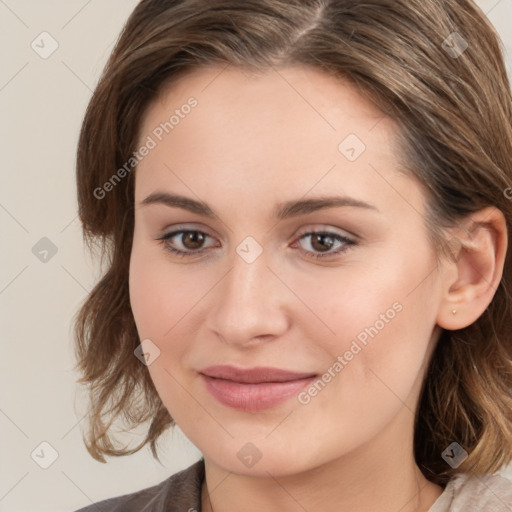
(472, 277)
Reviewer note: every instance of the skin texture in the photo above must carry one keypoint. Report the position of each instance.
(254, 141)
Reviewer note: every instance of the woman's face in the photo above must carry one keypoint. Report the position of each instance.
(351, 309)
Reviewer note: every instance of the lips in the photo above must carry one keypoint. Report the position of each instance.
(256, 375)
(253, 389)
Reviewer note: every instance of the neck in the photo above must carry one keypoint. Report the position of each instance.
(379, 476)
(313, 490)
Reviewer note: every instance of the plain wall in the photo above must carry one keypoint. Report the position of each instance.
(42, 101)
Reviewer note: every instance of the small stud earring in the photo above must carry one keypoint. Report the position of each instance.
(454, 311)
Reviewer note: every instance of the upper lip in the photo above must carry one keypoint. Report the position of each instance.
(254, 375)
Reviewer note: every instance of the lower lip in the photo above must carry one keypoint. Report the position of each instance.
(254, 397)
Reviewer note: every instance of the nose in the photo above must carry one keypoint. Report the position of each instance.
(249, 304)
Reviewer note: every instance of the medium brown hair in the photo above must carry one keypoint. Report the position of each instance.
(454, 113)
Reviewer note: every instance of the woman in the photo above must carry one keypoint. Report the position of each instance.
(306, 209)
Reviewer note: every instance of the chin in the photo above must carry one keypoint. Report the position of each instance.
(260, 458)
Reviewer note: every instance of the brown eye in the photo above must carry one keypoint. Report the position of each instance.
(192, 239)
(321, 242)
(185, 242)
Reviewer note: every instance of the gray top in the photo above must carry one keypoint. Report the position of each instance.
(181, 492)
(484, 493)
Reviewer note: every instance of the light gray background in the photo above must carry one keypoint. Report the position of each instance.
(42, 103)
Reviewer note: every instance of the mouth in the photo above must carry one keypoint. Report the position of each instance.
(253, 389)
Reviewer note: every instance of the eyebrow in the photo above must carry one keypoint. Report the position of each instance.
(282, 211)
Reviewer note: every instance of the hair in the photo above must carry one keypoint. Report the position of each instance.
(454, 114)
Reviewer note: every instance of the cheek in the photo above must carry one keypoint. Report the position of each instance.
(386, 329)
(160, 301)
(381, 317)
(160, 293)
(168, 302)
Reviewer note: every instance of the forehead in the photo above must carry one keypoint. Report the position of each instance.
(291, 129)
(324, 103)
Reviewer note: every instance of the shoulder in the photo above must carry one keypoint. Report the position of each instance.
(181, 491)
(467, 493)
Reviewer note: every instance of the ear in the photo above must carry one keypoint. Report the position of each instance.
(470, 280)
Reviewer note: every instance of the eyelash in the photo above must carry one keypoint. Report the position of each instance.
(348, 243)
